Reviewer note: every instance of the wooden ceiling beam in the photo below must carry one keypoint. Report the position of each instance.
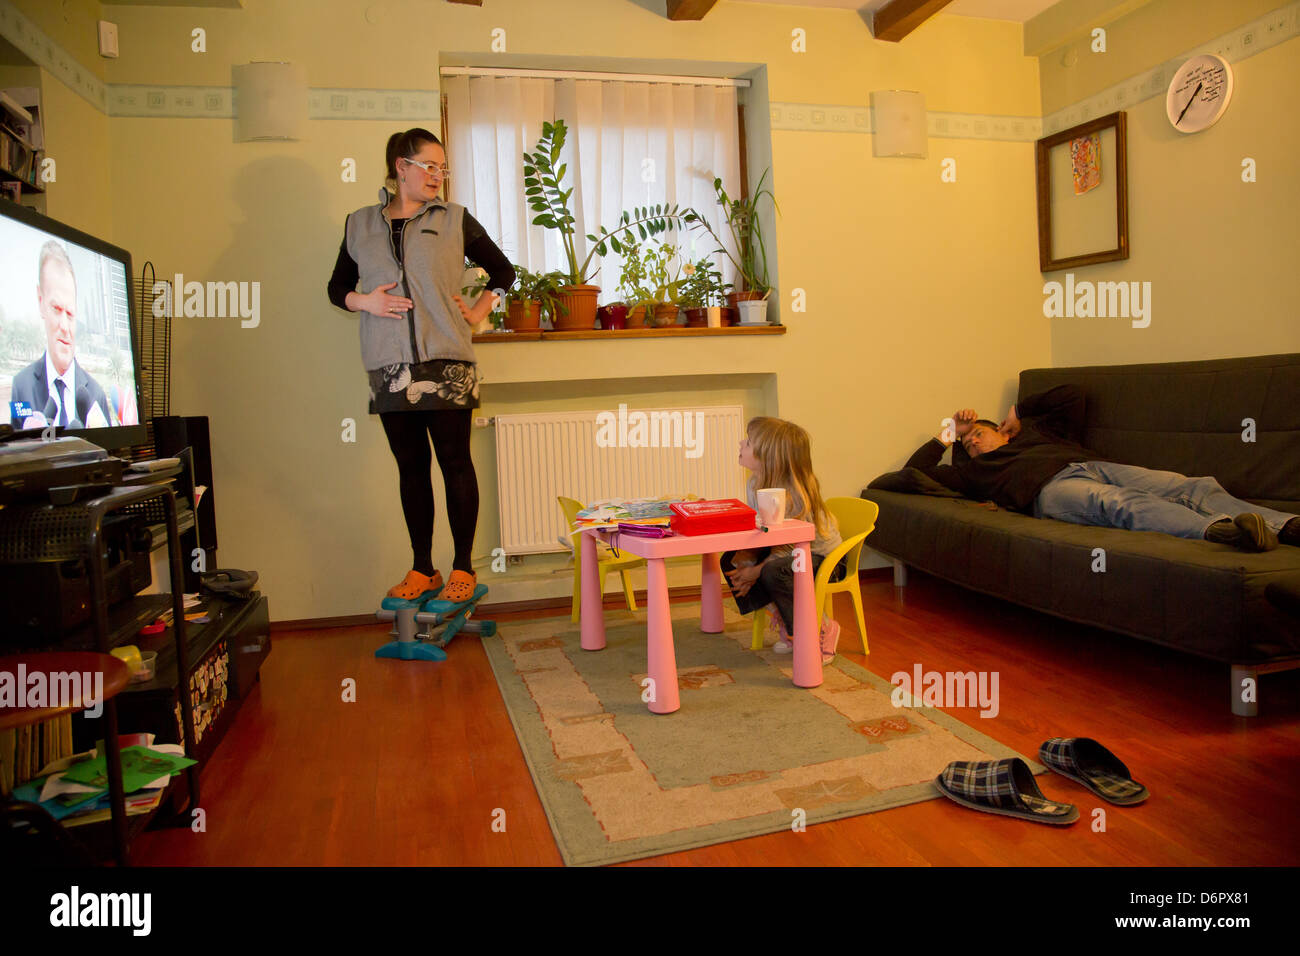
(898, 18)
(689, 9)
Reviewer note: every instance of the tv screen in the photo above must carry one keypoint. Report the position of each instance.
(66, 344)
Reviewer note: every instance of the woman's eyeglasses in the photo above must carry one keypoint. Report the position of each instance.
(437, 168)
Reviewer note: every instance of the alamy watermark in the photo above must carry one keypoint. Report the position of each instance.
(212, 300)
(946, 689)
(1100, 300)
(661, 429)
(37, 689)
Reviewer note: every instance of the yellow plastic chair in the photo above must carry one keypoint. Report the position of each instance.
(857, 519)
(608, 562)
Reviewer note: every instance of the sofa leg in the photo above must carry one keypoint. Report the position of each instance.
(900, 574)
(1241, 674)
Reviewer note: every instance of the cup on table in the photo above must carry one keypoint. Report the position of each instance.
(771, 506)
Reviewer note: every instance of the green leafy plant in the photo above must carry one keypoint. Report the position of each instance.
(651, 276)
(544, 188)
(702, 287)
(543, 287)
(471, 293)
(746, 235)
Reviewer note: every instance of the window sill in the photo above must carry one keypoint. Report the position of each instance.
(648, 333)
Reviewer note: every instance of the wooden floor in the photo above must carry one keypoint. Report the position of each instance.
(414, 771)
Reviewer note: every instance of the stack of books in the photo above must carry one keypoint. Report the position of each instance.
(611, 512)
(74, 790)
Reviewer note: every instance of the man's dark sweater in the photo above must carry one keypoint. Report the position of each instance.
(1051, 424)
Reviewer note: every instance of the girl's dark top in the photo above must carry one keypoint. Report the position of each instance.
(441, 383)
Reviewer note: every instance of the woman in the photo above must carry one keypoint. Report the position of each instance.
(409, 252)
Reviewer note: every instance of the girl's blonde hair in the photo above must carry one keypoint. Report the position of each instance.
(784, 456)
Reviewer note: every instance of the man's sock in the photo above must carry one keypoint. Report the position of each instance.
(1246, 531)
(1290, 533)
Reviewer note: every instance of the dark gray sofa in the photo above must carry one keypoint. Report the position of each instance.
(1206, 599)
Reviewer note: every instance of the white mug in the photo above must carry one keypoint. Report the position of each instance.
(771, 506)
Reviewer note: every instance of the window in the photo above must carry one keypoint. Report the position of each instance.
(632, 141)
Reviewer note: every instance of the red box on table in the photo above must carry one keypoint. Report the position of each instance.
(711, 517)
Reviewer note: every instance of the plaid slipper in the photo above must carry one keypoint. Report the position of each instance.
(1004, 787)
(1087, 762)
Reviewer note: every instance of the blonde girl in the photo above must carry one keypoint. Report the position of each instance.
(778, 455)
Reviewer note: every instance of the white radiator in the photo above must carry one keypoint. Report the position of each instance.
(654, 452)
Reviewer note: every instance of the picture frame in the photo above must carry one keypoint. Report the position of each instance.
(1081, 230)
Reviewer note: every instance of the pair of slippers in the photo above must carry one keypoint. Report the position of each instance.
(1007, 786)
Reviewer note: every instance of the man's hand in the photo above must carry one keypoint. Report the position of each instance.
(964, 420)
(1010, 425)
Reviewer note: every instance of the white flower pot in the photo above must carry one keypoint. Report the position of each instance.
(753, 312)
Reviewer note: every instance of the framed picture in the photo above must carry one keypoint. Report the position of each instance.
(1083, 194)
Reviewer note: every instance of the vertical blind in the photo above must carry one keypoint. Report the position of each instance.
(629, 144)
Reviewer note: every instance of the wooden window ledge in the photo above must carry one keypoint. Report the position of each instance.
(647, 333)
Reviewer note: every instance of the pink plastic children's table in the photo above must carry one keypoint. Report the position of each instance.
(662, 660)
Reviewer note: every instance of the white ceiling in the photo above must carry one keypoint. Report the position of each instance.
(1017, 10)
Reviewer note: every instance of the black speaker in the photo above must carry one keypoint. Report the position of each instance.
(186, 437)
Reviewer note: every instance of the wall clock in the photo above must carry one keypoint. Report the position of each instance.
(1199, 93)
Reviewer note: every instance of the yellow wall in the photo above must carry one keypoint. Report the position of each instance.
(1219, 253)
(919, 295)
(919, 299)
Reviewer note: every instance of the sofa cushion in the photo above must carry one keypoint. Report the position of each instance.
(1200, 597)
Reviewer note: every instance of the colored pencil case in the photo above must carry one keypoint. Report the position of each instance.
(644, 530)
(711, 517)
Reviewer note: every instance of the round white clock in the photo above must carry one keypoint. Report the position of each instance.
(1199, 93)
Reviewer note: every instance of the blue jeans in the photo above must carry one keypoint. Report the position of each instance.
(1125, 496)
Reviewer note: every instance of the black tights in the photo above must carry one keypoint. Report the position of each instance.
(449, 430)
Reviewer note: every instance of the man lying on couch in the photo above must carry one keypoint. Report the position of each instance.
(1033, 462)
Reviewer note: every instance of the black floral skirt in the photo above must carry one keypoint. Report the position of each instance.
(429, 386)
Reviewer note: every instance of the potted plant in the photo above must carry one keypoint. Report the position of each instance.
(747, 238)
(474, 290)
(631, 285)
(532, 296)
(702, 294)
(659, 284)
(544, 188)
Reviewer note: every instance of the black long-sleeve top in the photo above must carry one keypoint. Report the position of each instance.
(1051, 424)
(479, 249)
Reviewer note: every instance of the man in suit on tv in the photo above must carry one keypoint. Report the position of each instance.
(55, 388)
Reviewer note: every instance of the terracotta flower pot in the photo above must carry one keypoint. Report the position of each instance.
(580, 303)
(697, 318)
(524, 315)
(730, 315)
(665, 315)
(636, 318)
(736, 297)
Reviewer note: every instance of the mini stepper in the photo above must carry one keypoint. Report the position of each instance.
(444, 620)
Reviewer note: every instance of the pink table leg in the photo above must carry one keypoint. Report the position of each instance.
(593, 608)
(807, 641)
(661, 658)
(711, 594)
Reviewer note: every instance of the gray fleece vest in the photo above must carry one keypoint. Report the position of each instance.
(433, 248)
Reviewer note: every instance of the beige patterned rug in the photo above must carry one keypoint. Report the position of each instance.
(747, 753)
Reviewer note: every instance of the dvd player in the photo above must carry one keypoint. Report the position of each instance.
(29, 468)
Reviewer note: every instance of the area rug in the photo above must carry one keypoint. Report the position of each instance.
(748, 752)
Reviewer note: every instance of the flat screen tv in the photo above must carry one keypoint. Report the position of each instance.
(67, 323)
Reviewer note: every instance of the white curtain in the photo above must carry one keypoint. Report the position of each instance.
(629, 144)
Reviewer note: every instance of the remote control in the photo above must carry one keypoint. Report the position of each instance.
(159, 464)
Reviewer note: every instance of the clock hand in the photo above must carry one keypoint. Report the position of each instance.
(1189, 102)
